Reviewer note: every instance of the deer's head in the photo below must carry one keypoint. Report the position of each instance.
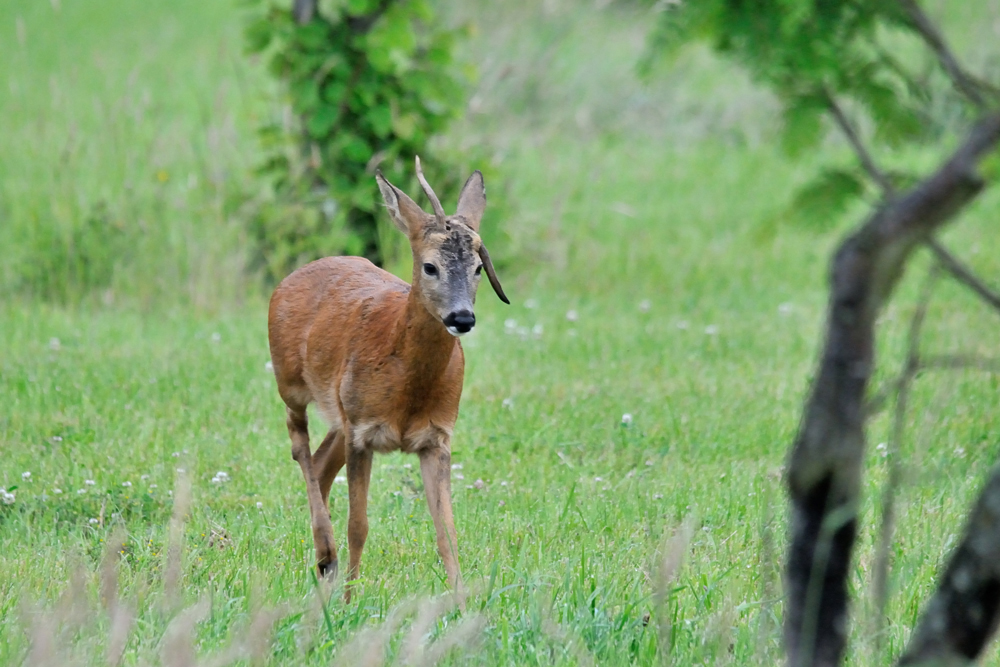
(448, 255)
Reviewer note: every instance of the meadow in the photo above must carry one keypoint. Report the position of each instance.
(644, 384)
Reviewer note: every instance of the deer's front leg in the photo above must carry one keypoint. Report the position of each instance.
(435, 468)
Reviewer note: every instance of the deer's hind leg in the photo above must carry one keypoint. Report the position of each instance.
(322, 529)
(328, 460)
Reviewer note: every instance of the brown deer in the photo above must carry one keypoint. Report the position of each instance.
(382, 361)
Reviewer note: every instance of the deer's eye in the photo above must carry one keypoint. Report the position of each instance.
(479, 269)
(430, 270)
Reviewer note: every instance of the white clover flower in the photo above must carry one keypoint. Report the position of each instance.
(220, 477)
(176, 454)
(572, 316)
(683, 325)
(508, 403)
(883, 449)
(127, 484)
(7, 497)
(269, 367)
(645, 305)
(26, 475)
(503, 483)
(510, 325)
(260, 505)
(216, 336)
(627, 419)
(531, 304)
(407, 466)
(180, 470)
(960, 452)
(657, 496)
(89, 482)
(92, 522)
(152, 486)
(712, 329)
(339, 479)
(143, 477)
(479, 484)
(54, 344)
(456, 466)
(537, 330)
(598, 479)
(785, 308)
(57, 491)
(81, 491)
(459, 475)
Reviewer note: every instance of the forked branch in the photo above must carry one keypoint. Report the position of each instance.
(824, 471)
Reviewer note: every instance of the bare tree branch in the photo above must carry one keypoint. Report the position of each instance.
(964, 82)
(303, 11)
(964, 275)
(880, 584)
(824, 470)
(867, 161)
(965, 610)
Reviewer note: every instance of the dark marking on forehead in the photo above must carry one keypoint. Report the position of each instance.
(456, 249)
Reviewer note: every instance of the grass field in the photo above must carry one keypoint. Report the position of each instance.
(648, 280)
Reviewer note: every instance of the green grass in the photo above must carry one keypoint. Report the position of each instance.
(561, 546)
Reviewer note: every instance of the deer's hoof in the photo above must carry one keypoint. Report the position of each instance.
(327, 569)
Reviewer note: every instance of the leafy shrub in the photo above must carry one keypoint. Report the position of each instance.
(370, 82)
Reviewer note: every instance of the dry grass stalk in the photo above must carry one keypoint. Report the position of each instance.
(674, 550)
(175, 543)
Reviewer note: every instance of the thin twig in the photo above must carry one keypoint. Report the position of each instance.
(911, 366)
(963, 274)
(963, 362)
(964, 82)
(867, 161)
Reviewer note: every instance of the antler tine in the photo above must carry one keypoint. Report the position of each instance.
(429, 191)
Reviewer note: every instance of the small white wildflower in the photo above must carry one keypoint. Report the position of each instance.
(407, 466)
(57, 491)
(176, 454)
(7, 497)
(645, 305)
(883, 449)
(479, 484)
(220, 477)
(784, 308)
(649, 462)
(531, 304)
(260, 505)
(657, 496)
(598, 479)
(501, 504)
(508, 403)
(537, 330)
(216, 336)
(269, 367)
(712, 329)
(152, 486)
(126, 484)
(26, 475)
(510, 325)
(339, 479)
(503, 483)
(459, 475)
(572, 316)
(92, 522)
(456, 466)
(54, 344)
(180, 470)
(143, 478)
(89, 482)
(627, 419)
(960, 452)
(683, 324)
(81, 491)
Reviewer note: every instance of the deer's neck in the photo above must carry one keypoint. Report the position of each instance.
(424, 344)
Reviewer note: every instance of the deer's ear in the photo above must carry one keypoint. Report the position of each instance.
(472, 201)
(405, 212)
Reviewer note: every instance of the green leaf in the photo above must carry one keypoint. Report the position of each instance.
(322, 121)
(379, 117)
(305, 95)
(258, 35)
(802, 127)
(820, 203)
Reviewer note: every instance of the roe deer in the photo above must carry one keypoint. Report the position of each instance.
(382, 361)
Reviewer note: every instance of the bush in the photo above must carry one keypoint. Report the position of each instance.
(370, 83)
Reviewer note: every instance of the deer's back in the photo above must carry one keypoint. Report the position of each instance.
(330, 302)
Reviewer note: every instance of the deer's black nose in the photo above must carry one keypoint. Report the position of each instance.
(461, 321)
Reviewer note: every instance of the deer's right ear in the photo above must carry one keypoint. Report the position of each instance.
(405, 212)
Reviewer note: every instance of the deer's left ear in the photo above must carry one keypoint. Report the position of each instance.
(472, 201)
